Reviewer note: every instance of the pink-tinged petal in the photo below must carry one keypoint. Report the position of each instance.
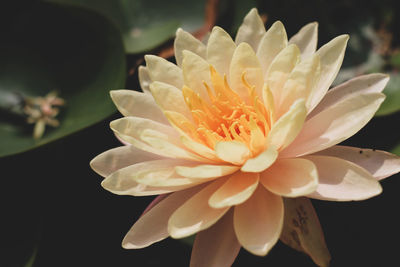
(260, 162)
(285, 130)
(118, 158)
(232, 151)
(169, 98)
(244, 61)
(144, 79)
(342, 180)
(291, 177)
(273, 41)
(236, 190)
(331, 56)
(306, 39)
(258, 222)
(205, 171)
(161, 70)
(251, 31)
(155, 201)
(220, 48)
(302, 230)
(152, 226)
(335, 124)
(186, 41)
(380, 164)
(195, 214)
(132, 103)
(365, 84)
(216, 246)
(196, 72)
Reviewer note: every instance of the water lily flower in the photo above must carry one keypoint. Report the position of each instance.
(237, 136)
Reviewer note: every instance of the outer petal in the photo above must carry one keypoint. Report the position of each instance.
(237, 189)
(291, 177)
(365, 84)
(273, 41)
(132, 103)
(252, 30)
(258, 221)
(306, 39)
(151, 227)
(302, 230)
(334, 124)
(341, 180)
(216, 246)
(144, 79)
(245, 61)
(195, 214)
(380, 164)
(220, 49)
(161, 70)
(119, 157)
(186, 41)
(331, 56)
(232, 151)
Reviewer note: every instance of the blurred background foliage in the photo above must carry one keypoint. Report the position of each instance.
(54, 211)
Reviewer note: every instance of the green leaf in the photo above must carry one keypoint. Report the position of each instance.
(392, 92)
(146, 24)
(396, 150)
(75, 51)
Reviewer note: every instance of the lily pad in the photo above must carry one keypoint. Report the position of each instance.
(50, 47)
(392, 92)
(145, 24)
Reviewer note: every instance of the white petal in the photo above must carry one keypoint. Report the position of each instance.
(186, 41)
(258, 221)
(380, 164)
(331, 56)
(216, 246)
(291, 177)
(334, 124)
(118, 158)
(144, 79)
(273, 41)
(261, 162)
(220, 49)
(152, 226)
(365, 84)
(341, 180)
(252, 30)
(162, 70)
(132, 103)
(306, 39)
(232, 151)
(205, 171)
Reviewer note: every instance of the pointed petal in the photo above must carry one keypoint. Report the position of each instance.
(216, 246)
(245, 61)
(169, 98)
(302, 230)
(232, 151)
(161, 70)
(252, 30)
(118, 158)
(341, 180)
(200, 149)
(331, 55)
(261, 162)
(144, 79)
(196, 71)
(380, 164)
(290, 177)
(205, 171)
(236, 190)
(273, 41)
(335, 124)
(195, 214)
(152, 226)
(306, 39)
(365, 84)
(132, 103)
(220, 49)
(186, 41)
(258, 221)
(285, 130)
